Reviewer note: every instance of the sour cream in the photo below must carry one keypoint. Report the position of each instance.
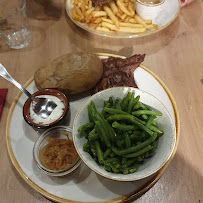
(57, 112)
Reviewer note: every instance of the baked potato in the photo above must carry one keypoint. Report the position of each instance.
(72, 73)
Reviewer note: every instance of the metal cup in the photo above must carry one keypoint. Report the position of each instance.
(13, 23)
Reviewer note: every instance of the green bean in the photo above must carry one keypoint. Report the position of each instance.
(137, 106)
(89, 108)
(131, 119)
(92, 148)
(112, 160)
(125, 101)
(93, 135)
(108, 129)
(111, 101)
(136, 137)
(122, 126)
(134, 148)
(86, 147)
(128, 163)
(127, 140)
(130, 104)
(116, 165)
(107, 153)
(142, 106)
(146, 155)
(140, 152)
(150, 120)
(118, 104)
(112, 154)
(133, 169)
(99, 152)
(156, 129)
(93, 107)
(98, 132)
(99, 117)
(139, 158)
(154, 123)
(146, 112)
(115, 170)
(103, 134)
(136, 100)
(107, 168)
(86, 126)
(145, 117)
(120, 143)
(92, 111)
(124, 160)
(115, 111)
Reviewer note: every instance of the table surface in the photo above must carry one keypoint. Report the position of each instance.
(174, 54)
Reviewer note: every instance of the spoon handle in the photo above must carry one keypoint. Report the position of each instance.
(7, 76)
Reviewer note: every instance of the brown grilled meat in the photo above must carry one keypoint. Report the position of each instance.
(119, 72)
(100, 3)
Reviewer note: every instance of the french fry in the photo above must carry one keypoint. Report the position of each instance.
(104, 29)
(123, 16)
(89, 11)
(79, 12)
(83, 9)
(109, 25)
(99, 13)
(131, 30)
(107, 20)
(131, 25)
(98, 20)
(111, 16)
(140, 20)
(148, 22)
(93, 25)
(113, 7)
(132, 20)
(123, 8)
(126, 19)
(151, 27)
(118, 15)
(131, 10)
(90, 4)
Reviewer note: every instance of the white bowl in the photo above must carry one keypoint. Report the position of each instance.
(160, 14)
(166, 142)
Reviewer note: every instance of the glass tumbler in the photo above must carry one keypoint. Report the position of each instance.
(13, 23)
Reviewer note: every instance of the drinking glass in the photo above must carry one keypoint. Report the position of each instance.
(13, 23)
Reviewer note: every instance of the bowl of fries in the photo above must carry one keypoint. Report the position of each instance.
(119, 18)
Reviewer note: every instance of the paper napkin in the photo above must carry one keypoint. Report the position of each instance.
(3, 93)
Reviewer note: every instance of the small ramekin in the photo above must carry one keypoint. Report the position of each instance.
(59, 132)
(52, 92)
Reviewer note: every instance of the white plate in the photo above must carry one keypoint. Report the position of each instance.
(83, 185)
(169, 12)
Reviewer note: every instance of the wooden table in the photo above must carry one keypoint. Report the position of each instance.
(175, 54)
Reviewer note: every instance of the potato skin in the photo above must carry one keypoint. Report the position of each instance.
(72, 73)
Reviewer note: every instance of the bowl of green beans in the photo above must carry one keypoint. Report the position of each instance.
(124, 133)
